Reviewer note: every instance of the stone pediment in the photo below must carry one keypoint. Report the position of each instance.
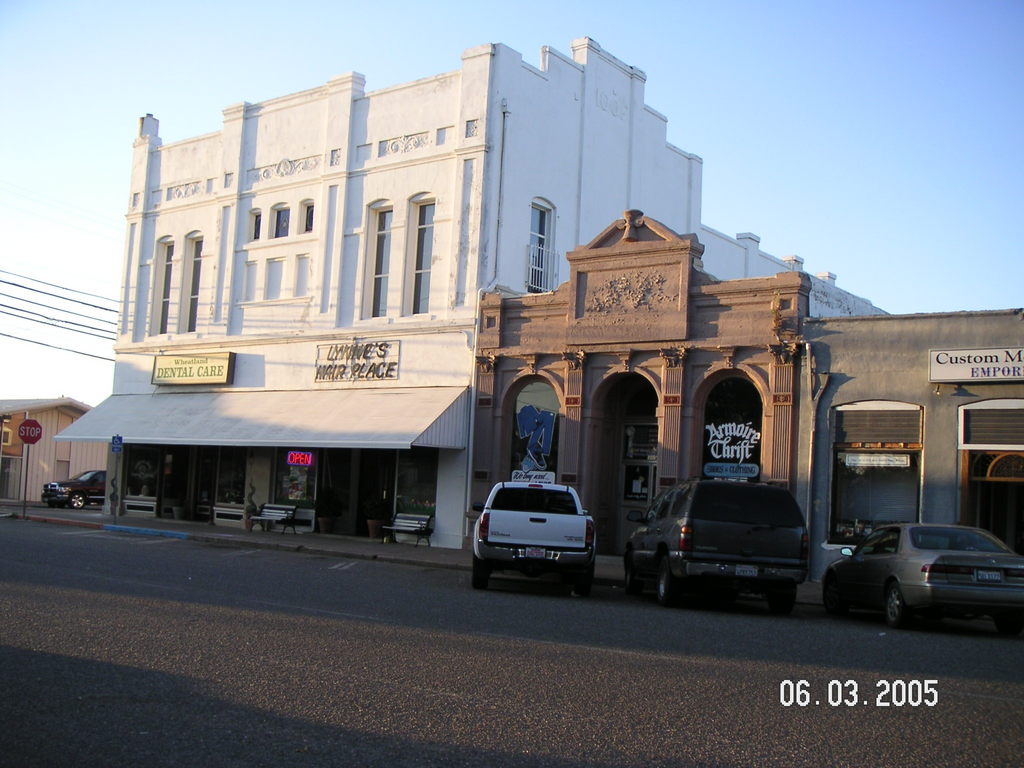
(632, 281)
(634, 228)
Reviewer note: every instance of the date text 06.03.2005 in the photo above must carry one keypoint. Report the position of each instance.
(848, 693)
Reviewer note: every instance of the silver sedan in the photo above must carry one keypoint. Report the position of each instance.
(931, 569)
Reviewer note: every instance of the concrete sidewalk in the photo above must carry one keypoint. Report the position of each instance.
(608, 571)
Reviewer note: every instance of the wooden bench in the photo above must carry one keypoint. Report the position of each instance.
(418, 524)
(282, 514)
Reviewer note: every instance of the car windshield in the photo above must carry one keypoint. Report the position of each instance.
(741, 502)
(86, 476)
(535, 500)
(955, 539)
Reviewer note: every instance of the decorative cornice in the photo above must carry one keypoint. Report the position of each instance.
(630, 292)
(729, 354)
(283, 168)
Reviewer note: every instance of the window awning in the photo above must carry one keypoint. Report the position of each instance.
(435, 417)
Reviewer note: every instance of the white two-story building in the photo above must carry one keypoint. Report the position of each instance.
(300, 288)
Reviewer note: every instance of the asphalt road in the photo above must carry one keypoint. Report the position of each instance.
(120, 650)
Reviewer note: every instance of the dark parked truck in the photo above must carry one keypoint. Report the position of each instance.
(718, 537)
(85, 488)
(534, 528)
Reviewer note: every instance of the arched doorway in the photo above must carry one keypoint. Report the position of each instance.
(627, 466)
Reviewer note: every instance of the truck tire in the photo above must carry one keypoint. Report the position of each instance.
(781, 601)
(634, 584)
(581, 586)
(668, 584)
(77, 500)
(481, 573)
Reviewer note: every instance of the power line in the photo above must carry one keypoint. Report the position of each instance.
(55, 321)
(61, 287)
(62, 298)
(53, 346)
(56, 325)
(65, 311)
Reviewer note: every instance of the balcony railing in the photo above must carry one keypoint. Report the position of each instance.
(541, 269)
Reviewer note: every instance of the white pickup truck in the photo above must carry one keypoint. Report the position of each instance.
(534, 528)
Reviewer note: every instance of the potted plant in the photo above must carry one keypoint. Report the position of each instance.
(376, 516)
(327, 508)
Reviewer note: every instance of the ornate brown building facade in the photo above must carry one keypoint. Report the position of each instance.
(640, 371)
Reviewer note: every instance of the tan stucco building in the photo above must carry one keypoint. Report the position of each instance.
(640, 371)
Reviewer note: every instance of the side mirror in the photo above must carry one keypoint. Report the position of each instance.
(478, 506)
(636, 516)
(846, 551)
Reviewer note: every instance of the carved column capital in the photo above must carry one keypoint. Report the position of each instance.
(486, 363)
(575, 358)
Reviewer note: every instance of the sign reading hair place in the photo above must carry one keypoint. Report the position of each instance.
(357, 361)
(217, 368)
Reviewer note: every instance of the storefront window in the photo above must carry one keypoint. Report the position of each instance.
(295, 481)
(231, 476)
(873, 489)
(141, 462)
(535, 437)
(732, 431)
(417, 480)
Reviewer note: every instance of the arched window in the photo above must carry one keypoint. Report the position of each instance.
(378, 259)
(255, 224)
(165, 249)
(282, 219)
(535, 430)
(307, 209)
(542, 264)
(195, 271)
(732, 430)
(421, 256)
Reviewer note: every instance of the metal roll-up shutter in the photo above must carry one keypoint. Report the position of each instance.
(991, 426)
(888, 426)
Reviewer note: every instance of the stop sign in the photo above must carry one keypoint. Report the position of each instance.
(30, 431)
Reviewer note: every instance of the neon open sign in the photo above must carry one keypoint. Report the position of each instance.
(300, 458)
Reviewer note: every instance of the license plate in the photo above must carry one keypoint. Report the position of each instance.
(536, 552)
(746, 571)
(988, 575)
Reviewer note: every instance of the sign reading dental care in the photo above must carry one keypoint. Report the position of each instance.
(217, 368)
(357, 361)
(996, 364)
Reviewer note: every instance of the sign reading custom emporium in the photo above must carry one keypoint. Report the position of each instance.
(998, 364)
(217, 368)
(357, 361)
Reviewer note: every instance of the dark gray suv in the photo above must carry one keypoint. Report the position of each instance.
(718, 537)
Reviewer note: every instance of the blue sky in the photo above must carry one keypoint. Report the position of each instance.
(881, 141)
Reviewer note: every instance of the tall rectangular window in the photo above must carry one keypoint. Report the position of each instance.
(274, 278)
(301, 275)
(257, 225)
(250, 281)
(540, 261)
(381, 259)
(193, 297)
(307, 218)
(165, 296)
(424, 254)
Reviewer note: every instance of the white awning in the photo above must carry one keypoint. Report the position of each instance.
(435, 417)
